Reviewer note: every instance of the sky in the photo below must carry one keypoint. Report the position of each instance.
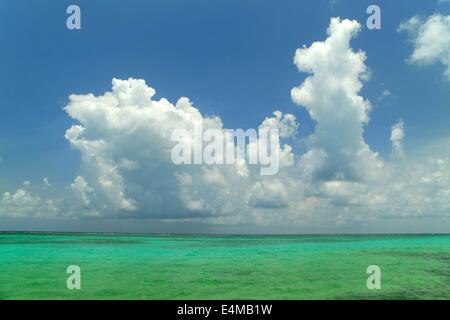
(87, 115)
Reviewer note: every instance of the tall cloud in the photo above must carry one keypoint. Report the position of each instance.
(331, 96)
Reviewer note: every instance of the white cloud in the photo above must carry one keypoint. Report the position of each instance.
(397, 136)
(343, 179)
(286, 124)
(46, 182)
(124, 138)
(24, 204)
(269, 194)
(385, 95)
(82, 190)
(431, 39)
(331, 96)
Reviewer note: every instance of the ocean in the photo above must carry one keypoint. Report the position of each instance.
(114, 266)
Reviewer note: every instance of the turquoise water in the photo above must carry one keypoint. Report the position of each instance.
(33, 266)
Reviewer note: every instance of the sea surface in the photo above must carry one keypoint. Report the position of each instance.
(33, 266)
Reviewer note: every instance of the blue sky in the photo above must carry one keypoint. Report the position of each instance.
(231, 58)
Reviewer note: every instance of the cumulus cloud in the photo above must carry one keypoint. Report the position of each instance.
(286, 124)
(125, 141)
(431, 39)
(343, 179)
(22, 203)
(269, 194)
(331, 96)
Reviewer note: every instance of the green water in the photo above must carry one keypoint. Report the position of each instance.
(33, 266)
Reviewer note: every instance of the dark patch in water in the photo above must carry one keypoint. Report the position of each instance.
(442, 256)
(441, 272)
(407, 294)
(72, 242)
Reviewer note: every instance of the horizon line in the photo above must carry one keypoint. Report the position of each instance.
(221, 234)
